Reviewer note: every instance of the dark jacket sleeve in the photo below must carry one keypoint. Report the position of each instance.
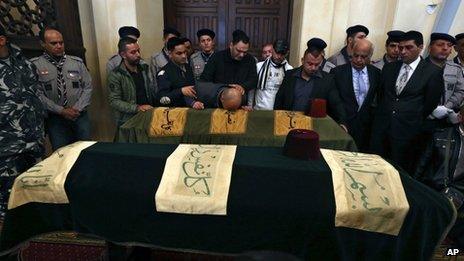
(252, 78)
(164, 88)
(210, 69)
(433, 92)
(280, 96)
(424, 160)
(335, 102)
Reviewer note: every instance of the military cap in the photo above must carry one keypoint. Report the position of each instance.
(280, 46)
(459, 36)
(442, 36)
(413, 35)
(127, 31)
(394, 35)
(170, 30)
(207, 32)
(356, 29)
(316, 43)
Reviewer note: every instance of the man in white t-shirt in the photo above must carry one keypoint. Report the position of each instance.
(271, 72)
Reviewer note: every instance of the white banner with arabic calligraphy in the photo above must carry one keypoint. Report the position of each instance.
(44, 182)
(368, 192)
(196, 180)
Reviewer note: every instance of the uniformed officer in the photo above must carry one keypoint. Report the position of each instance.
(440, 48)
(67, 89)
(459, 48)
(21, 117)
(319, 44)
(160, 59)
(352, 34)
(200, 58)
(175, 80)
(392, 49)
(125, 31)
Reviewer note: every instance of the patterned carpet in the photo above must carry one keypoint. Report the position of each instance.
(72, 246)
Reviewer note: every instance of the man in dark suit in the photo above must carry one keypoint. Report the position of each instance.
(175, 79)
(233, 66)
(409, 91)
(307, 82)
(357, 83)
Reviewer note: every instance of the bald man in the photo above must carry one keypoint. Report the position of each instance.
(358, 83)
(230, 99)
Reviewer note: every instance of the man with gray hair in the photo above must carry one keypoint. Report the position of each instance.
(358, 83)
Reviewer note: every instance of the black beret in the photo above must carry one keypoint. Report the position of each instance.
(459, 36)
(281, 46)
(442, 36)
(173, 42)
(207, 32)
(413, 35)
(128, 30)
(356, 29)
(316, 43)
(394, 36)
(170, 30)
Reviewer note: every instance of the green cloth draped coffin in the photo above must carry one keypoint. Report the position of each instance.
(217, 126)
(273, 203)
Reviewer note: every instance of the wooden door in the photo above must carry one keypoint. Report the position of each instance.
(263, 20)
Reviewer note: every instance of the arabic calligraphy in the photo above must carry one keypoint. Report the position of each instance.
(228, 122)
(168, 122)
(198, 169)
(360, 170)
(285, 121)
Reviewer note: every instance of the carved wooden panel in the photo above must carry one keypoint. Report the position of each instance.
(263, 20)
(23, 19)
(188, 16)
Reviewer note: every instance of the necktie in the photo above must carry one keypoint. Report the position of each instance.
(362, 90)
(403, 79)
(60, 81)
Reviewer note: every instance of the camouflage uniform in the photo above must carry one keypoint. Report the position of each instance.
(21, 121)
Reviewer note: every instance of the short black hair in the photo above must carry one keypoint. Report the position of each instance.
(185, 39)
(123, 42)
(45, 29)
(240, 36)
(173, 42)
(413, 35)
(169, 30)
(314, 51)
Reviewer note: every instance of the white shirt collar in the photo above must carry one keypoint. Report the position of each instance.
(414, 64)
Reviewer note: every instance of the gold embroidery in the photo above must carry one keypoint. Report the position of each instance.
(284, 121)
(228, 122)
(168, 122)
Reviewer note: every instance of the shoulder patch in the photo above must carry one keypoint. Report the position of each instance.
(161, 73)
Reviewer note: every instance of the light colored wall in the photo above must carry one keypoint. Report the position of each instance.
(329, 19)
(100, 21)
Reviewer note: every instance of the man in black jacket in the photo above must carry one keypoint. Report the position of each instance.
(307, 82)
(233, 66)
(175, 80)
(357, 83)
(410, 90)
(442, 168)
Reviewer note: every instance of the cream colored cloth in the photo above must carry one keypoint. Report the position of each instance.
(44, 182)
(196, 180)
(368, 192)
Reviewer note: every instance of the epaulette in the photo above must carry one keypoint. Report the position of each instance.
(75, 58)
